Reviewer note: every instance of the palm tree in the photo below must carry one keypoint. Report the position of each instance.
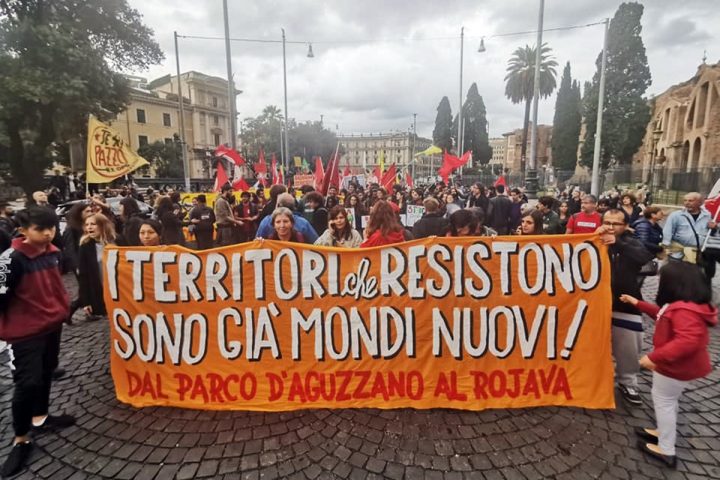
(520, 80)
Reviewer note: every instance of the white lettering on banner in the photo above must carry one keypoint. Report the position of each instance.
(436, 270)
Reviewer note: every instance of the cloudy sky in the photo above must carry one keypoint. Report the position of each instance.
(377, 62)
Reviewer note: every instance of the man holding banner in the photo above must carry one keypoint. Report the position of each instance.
(627, 256)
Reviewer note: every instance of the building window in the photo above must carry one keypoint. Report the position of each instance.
(202, 118)
(216, 120)
(166, 120)
(216, 138)
(168, 141)
(141, 116)
(142, 139)
(214, 102)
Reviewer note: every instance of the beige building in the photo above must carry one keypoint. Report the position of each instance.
(365, 150)
(683, 136)
(153, 114)
(499, 153)
(513, 148)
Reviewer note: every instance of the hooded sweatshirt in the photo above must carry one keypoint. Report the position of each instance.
(377, 239)
(33, 300)
(681, 338)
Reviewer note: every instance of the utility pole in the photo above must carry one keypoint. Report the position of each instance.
(183, 146)
(414, 139)
(231, 85)
(595, 179)
(531, 180)
(286, 144)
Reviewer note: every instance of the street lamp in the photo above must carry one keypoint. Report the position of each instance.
(656, 134)
(481, 48)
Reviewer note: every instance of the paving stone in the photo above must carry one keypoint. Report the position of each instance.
(116, 441)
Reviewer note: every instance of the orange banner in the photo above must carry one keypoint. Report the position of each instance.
(467, 323)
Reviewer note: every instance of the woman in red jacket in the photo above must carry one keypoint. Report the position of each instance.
(383, 227)
(680, 349)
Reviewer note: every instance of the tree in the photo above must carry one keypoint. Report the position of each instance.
(626, 113)
(166, 158)
(520, 80)
(475, 127)
(306, 139)
(442, 134)
(311, 139)
(566, 123)
(60, 62)
(263, 132)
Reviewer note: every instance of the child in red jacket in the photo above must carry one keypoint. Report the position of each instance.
(680, 352)
(33, 306)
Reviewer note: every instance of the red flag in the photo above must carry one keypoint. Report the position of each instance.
(347, 172)
(712, 205)
(273, 166)
(240, 185)
(452, 163)
(230, 154)
(281, 175)
(332, 176)
(261, 168)
(221, 178)
(389, 178)
(377, 173)
(500, 181)
(409, 180)
(319, 173)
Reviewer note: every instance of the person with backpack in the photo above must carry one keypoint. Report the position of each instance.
(683, 315)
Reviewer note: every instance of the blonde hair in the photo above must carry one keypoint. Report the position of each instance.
(107, 230)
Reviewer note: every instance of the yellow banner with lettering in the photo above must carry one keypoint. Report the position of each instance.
(108, 156)
(467, 323)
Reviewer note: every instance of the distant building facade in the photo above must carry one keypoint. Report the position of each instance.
(513, 148)
(364, 151)
(499, 154)
(682, 139)
(153, 114)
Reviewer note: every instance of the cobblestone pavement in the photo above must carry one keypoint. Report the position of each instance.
(112, 440)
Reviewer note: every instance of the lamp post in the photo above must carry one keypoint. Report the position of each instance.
(595, 180)
(531, 180)
(656, 134)
(286, 144)
(183, 145)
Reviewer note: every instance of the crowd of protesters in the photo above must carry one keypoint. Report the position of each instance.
(363, 217)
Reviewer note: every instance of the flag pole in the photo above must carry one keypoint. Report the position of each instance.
(707, 235)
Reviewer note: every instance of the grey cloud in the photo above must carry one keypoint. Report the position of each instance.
(378, 85)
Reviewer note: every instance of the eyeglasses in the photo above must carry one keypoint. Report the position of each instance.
(613, 224)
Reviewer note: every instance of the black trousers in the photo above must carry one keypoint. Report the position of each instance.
(710, 257)
(204, 239)
(32, 363)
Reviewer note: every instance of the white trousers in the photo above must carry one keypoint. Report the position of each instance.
(666, 392)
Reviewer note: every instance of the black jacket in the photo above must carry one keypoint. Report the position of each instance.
(431, 224)
(649, 234)
(172, 229)
(499, 216)
(627, 256)
(90, 279)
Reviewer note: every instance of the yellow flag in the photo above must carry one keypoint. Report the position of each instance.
(108, 156)
(431, 150)
(382, 162)
(298, 161)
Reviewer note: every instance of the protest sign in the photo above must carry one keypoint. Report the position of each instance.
(414, 213)
(467, 323)
(302, 180)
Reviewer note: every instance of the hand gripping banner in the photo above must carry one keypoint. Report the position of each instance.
(467, 323)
